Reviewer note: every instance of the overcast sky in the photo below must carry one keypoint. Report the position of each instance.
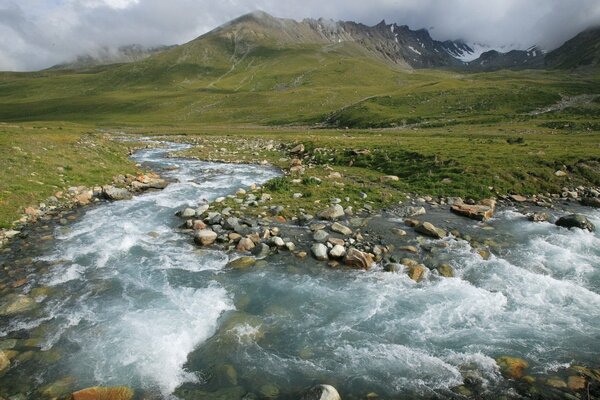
(36, 34)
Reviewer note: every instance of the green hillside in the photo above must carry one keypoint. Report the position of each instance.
(443, 132)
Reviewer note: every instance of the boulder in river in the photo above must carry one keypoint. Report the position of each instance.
(261, 250)
(416, 272)
(205, 237)
(242, 262)
(538, 217)
(103, 393)
(114, 193)
(332, 213)
(512, 367)
(478, 212)
(319, 250)
(576, 221)
(358, 259)
(445, 270)
(591, 202)
(428, 229)
(321, 392)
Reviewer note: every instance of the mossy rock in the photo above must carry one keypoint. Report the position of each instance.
(512, 367)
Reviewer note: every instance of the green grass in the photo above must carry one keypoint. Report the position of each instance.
(39, 160)
(441, 132)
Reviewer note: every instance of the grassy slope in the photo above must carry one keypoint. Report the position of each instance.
(459, 125)
(40, 159)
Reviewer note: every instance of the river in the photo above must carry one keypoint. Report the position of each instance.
(129, 301)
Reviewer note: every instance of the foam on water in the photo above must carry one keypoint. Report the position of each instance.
(137, 298)
(132, 319)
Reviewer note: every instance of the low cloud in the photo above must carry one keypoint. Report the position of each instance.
(36, 34)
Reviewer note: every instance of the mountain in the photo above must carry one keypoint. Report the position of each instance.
(514, 59)
(258, 69)
(393, 43)
(581, 51)
(107, 56)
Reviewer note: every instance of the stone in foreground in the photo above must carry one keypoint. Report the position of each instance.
(576, 221)
(477, 212)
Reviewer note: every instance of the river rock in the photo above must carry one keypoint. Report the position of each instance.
(114, 193)
(319, 251)
(477, 212)
(337, 251)
(261, 251)
(446, 270)
(591, 202)
(103, 393)
(416, 272)
(242, 262)
(512, 367)
(245, 244)
(4, 361)
(277, 242)
(342, 229)
(13, 304)
(576, 221)
(358, 259)
(320, 236)
(332, 213)
(188, 213)
(393, 267)
(321, 392)
(428, 229)
(202, 209)
(205, 237)
(538, 217)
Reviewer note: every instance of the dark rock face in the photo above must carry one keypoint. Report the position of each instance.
(576, 221)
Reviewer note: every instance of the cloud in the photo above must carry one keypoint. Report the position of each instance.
(36, 34)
